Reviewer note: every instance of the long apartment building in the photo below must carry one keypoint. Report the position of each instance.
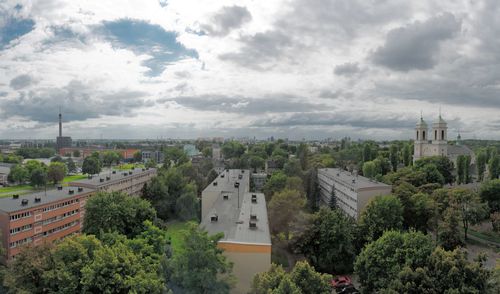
(352, 192)
(130, 182)
(229, 207)
(41, 217)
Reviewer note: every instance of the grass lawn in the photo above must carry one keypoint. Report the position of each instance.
(176, 230)
(127, 166)
(490, 236)
(74, 178)
(15, 188)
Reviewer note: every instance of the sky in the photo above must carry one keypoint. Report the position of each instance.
(285, 68)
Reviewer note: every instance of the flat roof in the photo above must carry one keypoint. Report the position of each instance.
(9, 204)
(119, 175)
(346, 177)
(233, 214)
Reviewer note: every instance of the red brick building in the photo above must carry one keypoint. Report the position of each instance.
(41, 217)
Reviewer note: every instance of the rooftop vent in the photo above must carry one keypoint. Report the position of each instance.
(215, 184)
(240, 177)
(143, 169)
(253, 216)
(71, 192)
(242, 171)
(214, 218)
(237, 185)
(222, 175)
(80, 189)
(353, 181)
(38, 199)
(252, 225)
(125, 174)
(254, 198)
(24, 202)
(108, 178)
(225, 197)
(15, 196)
(147, 168)
(89, 177)
(130, 172)
(113, 172)
(59, 187)
(101, 180)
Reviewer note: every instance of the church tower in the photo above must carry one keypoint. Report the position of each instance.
(440, 137)
(421, 139)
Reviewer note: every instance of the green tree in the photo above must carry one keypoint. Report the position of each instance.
(494, 167)
(444, 273)
(187, 205)
(450, 236)
(38, 177)
(256, 162)
(407, 155)
(302, 155)
(481, 159)
(333, 200)
(367, 153)
(71, 166)
(76, 153)
(151, 163)
(432, 174)
(116, 212)
(201, 267)
(56, 172)
(461, 169)
(275, 184)
(469, 205)
(369, 169)
(284, 210)
(380, 262)
(138, 156)
(422, 210)
(174, 156)
(382, 213)
(232, 149)
(394, 156)
(328, 242)
(490, 193)
(91, 165)
(292, 168)
(18, 174)
(110, 157)
(442, 163)
(24, 274)
(303, 280)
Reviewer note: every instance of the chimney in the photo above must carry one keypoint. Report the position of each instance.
(80, 189)
(38, 199)
(59, 188)
(60, 122)
(254, 198)
(24, 202)
(71, 192)
(252, 225)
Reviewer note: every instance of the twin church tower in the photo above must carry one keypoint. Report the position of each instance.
(431, 144)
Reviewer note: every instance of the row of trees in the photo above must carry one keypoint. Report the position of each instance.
(38, 173)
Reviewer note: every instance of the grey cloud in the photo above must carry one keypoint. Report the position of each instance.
(78, 100)
(227, 19)
(348, 118)
(416, 45)
(245, 105)
(262, 50)
(347, 69)
(21, 81)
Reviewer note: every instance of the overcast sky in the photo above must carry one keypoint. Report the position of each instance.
(294, 68)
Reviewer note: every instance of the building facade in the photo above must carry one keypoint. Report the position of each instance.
(352, 193)
(229, 207)
(41, 217)
(130, 182)
(435, 142)
(157, 155)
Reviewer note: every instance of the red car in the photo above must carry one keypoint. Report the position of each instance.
(341, 281)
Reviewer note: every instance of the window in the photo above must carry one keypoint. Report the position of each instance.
(442, 135)
(20, 215)
(423, 135)
(417, 136)
(435, 135)
(20, 242)
(21, 229)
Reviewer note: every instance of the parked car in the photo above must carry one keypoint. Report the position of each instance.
(348, 289)
(341, 281)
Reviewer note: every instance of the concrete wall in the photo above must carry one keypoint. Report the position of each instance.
(365, 195)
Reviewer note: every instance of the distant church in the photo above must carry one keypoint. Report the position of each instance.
(435, 143)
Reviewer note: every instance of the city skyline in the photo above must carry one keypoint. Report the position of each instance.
(295, 69)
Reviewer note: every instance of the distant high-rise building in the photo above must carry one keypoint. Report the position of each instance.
(62, 142)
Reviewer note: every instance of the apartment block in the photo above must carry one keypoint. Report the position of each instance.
(229, 207)
(130, 181)
(352, 192)
(41, 217)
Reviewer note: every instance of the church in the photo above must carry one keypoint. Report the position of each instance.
(435, 142)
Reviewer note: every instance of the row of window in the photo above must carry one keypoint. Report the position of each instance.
(59, 205)
(21, 229)
(21, 242)
(20, 215)
(60, 228)
(60, 217)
